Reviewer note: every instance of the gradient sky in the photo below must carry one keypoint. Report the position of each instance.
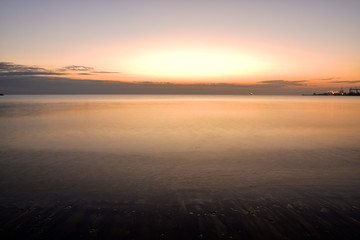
(242, 42)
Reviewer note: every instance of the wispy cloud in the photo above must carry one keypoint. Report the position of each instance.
(76, 68)
(11, 69)
(84, 69)
(355, 81)
(327, 79)
(85, 73)
(103, 72)
(283, 83)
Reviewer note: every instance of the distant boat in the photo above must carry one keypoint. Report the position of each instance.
(1, 94)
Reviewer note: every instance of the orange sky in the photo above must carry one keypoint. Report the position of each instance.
(187, 42)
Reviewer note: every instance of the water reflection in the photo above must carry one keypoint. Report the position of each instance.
(180, 124)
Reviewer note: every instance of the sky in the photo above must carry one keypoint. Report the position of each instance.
(280, 46)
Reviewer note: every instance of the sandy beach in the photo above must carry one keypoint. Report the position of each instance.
(75, 198)
(261, 214)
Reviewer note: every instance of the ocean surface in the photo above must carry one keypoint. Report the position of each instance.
(179, 167)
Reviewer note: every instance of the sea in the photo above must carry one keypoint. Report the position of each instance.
(179, 167)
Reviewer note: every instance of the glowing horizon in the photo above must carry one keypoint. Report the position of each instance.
(193, 63)
(185, 42)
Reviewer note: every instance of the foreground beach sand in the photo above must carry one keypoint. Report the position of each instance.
(268, 214)
(73, 196)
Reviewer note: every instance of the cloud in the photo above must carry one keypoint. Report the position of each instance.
(66, 85)
(328, 79)
(153, 83)
(29, 73)
(79, 68)
(76, 68)
(11, 69)
(283, 83)
(84, 73)
(103, 72)
(355, 81)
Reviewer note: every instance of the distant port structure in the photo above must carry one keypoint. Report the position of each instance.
(355, 91)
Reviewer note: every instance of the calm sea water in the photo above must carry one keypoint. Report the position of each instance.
(179, 167)
(117, 147)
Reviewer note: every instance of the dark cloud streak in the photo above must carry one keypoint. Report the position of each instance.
(283, 83)
(84, 74)
(103, 72)
(62, 85)
(76, 68)
(355, 81)
(328, 79)
(29, 73)
(10, 69)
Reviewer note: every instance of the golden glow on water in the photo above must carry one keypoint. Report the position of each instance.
(183, 123)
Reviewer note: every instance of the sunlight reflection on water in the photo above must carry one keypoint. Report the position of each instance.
(105, 146)
(138, 124)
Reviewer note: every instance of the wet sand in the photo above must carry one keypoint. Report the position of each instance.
(266, 214)
(74, 196)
